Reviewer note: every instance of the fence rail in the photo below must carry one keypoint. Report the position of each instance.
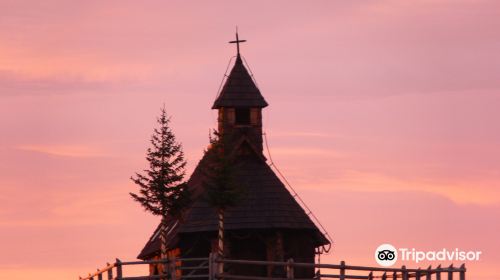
(212, 268)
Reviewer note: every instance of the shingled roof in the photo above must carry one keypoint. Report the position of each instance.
(266, 204)
(152, 247)
(239, 90)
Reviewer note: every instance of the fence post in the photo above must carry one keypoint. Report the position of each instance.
(394, 275)
(370, 276)
(90, 277)
(110, 272)
(405, 272)
(462, 272)
(384, 276)
(429, 273)
(342, 270)
(99, 274)
(118, 269)
(289, 269)
(450, 272)
(438, 272)
(417, 274)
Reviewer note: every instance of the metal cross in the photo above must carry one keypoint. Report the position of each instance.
(237, 41)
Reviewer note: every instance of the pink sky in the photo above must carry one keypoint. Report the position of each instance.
(383, 115)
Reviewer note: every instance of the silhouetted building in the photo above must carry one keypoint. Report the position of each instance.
(267, 223)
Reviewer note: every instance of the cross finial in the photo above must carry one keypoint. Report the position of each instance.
(237, 42)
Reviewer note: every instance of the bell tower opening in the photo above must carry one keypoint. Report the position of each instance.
(242, 116)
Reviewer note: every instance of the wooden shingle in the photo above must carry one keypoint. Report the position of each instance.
(239, 90)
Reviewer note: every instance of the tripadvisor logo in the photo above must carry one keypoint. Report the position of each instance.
(387, 255)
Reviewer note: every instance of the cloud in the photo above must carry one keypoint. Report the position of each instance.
(360, 221)
(34, 84)
(476, 192)
(76, 205)
(390, 48)
(23, 273)
(77, 151)
(305, 134)
(305, 151)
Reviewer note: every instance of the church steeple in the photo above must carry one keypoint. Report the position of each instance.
(240, 104)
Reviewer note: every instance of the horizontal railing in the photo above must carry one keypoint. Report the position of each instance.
(115, 271)
(212, 268)
(343, 271)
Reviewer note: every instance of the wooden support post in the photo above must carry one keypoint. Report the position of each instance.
(438, 272)
(417, 274)
(211, 268)
(342, 270)
(428, 274)
(90, 277)
(220, 265)
(405, 272)
(119, 273)
(217, 266)
(110, 273)
(290, 269)
(450, 272)
(173, 272)
(462, 272)
(384, 276)
(394, 275)
(99, 274)
(370, 276)
(220, 237)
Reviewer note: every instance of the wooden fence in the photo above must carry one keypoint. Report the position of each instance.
(211, 268)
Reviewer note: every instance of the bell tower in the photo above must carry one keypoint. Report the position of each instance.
(240, 105)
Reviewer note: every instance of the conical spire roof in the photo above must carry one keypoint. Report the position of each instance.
(239, 89)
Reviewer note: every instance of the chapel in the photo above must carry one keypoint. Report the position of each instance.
(267, 223)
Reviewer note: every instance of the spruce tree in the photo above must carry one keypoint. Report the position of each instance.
(163, 190)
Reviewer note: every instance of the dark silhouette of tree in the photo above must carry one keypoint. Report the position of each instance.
(163, 191)
(222, 188)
